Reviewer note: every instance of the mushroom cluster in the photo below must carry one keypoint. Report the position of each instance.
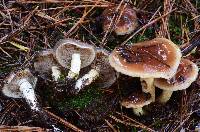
(74, 55)
(70, 55)
(157, 63)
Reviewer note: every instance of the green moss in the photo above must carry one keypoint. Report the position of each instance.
(175, 30)
(81, 100)
(148, 34)
(5, 70)
(159, 124)
(62, 78)
(133, 129)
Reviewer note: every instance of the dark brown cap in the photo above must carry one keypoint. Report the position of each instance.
(127, 21)
(186, 74)
(136, 100)
(157, 58)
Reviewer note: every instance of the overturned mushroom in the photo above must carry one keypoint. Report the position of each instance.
(76, 53)
(102, 73)
(136, 101)
(125, 24)
(157, 58)
(107, 74)
(186, 74)
(21, 85)
(45, 62)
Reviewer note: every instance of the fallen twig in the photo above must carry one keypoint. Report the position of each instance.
(195, 42)
(4, 128)
(21, 28)
(131, 124)
(147, 25)
(115, 19)
(64, 122)
(110, 125)
(81, 19)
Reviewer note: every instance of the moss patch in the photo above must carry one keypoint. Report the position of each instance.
(81, 100)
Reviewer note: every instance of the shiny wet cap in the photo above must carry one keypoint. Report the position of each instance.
(136, 100)
(157, 58)
(186, 74)
(126, 23)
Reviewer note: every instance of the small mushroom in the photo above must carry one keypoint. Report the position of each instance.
(125, 24)
(136, 101)
(76, 53)
(157, 58)
(45, 62)
(21, 85)
(102, 73)
(186, 74)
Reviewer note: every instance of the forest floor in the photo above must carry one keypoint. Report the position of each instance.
(29, 26)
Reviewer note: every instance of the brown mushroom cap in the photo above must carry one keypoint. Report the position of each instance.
(44, 61)
(186, 74)
(136, 100)
(157, 58)
(66, 47)
(127, 22)
(107, 74)
(11, 86)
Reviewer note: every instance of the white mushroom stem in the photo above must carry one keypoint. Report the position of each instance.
(28, 93)
(165, 96)
(55, 73)
(75, 66)
(148, 87)
(87, 79)
(138, 111)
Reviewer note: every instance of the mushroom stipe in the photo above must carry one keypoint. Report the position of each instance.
(101, 72)
(21, 85)
(137, 101)
(156, 58)
(45, 61)
(75, 66)
(78, 53)
(186, 74)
